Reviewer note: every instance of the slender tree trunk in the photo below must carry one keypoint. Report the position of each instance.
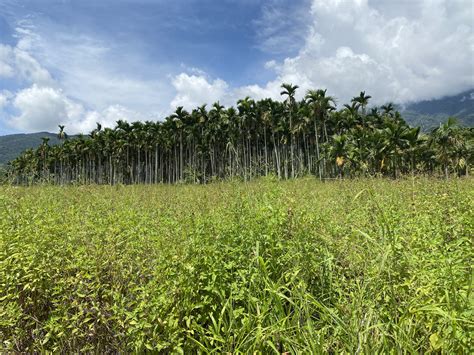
(266, 150)
(317, 149)
(291, 148)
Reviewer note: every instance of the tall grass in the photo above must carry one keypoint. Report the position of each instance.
(297, 266)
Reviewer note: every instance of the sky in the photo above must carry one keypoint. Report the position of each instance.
(78, 62)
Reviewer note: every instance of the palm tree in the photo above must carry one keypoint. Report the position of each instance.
(180, 117)
(338, 152)
(399, 140)
(446, 139)
(362, 100)
(44, 154)
(388, 109)
(61, 134)
(321, 106)
(289, 90)
(247, 114)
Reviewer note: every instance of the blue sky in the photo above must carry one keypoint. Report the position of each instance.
(76, 62)
(219, 37)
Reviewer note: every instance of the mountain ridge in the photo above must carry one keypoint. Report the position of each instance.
(430, 113)
(12, 145)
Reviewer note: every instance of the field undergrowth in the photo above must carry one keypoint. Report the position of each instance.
(356, 266)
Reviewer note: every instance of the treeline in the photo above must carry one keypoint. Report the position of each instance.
(288, 139)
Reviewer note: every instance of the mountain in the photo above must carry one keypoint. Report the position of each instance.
(13, 144)
(430, 113)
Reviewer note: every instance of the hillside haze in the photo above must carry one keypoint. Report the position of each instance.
(430, 113)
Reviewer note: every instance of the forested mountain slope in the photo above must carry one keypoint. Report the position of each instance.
(431, 113)
(13, 144)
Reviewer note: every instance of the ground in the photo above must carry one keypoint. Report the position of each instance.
(343, 266)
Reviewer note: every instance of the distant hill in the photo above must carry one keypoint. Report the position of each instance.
(13, 144)
(430, 113)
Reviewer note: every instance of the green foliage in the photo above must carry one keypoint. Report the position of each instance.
(3, 174)
(12, 145)
(288, 139)
(361, 266)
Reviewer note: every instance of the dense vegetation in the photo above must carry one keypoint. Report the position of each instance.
(13, 144)
(355, 266)
(288, 139)
(425, 114)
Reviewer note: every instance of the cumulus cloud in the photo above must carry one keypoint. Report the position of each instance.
(40, 109)
(402, 53)
(88, 69)
(44, 108)
(399, 52)
(195, 90)
(107, 118)
(86, 90)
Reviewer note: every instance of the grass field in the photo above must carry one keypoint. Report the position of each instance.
(348, 266)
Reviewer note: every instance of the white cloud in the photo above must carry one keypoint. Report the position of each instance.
(5, 97)
(44, 108)
(40, 109)
(425, 50)
(19, 64)
(88, 87)
(195, 90)
(395, 52)
(98, 72)
(281, 27)
(6, 69)
(107, 118)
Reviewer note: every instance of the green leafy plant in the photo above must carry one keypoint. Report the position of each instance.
(268, 266)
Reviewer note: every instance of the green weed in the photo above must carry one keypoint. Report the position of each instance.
(363, 266)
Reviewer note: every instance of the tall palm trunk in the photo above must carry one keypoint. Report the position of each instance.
(317, 149)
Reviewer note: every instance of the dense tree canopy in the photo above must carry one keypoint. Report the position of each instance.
(288, 139)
